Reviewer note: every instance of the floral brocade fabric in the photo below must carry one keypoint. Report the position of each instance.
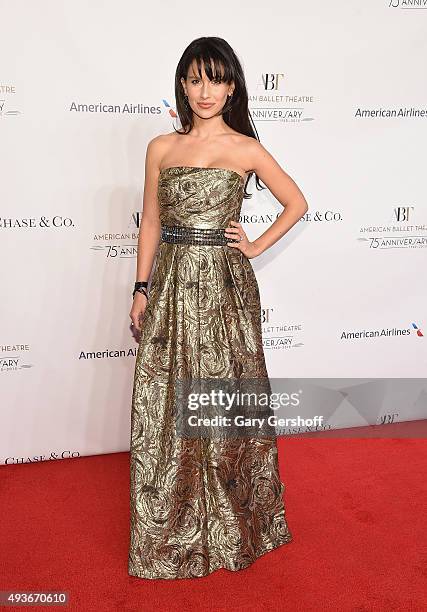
(198, 505)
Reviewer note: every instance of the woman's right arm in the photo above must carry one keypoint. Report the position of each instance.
(149, 227)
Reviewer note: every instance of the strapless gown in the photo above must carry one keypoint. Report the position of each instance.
(198, 505)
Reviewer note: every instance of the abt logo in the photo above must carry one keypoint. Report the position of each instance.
(271, 81)
(401, 213)
(136, 219)
(266, 314)
(386, 419)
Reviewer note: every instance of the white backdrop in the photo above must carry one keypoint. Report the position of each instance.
(346, 118)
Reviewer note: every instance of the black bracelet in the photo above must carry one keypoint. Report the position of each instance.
(142, 287)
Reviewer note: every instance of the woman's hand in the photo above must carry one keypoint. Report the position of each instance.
(250, 249)
(138, 309)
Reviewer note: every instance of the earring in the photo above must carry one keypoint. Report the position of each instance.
(229, 110)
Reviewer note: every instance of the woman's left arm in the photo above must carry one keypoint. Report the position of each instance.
(284, 189)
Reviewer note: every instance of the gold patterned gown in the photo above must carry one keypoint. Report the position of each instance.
(197, 505)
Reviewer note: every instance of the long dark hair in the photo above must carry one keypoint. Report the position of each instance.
(213, 50)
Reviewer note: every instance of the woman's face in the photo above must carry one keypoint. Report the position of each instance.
(206, 98)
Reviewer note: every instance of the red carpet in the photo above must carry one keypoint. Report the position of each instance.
(356, 509)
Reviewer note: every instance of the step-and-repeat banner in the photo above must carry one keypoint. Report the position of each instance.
(338, 96)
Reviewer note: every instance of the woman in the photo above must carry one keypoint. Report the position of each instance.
(202, 502)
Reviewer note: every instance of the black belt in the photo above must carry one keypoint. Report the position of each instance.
(195, 235)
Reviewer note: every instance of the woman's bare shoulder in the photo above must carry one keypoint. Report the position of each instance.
(162, 139)
(160, 144)
(246, 149)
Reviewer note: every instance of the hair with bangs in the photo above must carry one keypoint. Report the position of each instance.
(216, 53)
